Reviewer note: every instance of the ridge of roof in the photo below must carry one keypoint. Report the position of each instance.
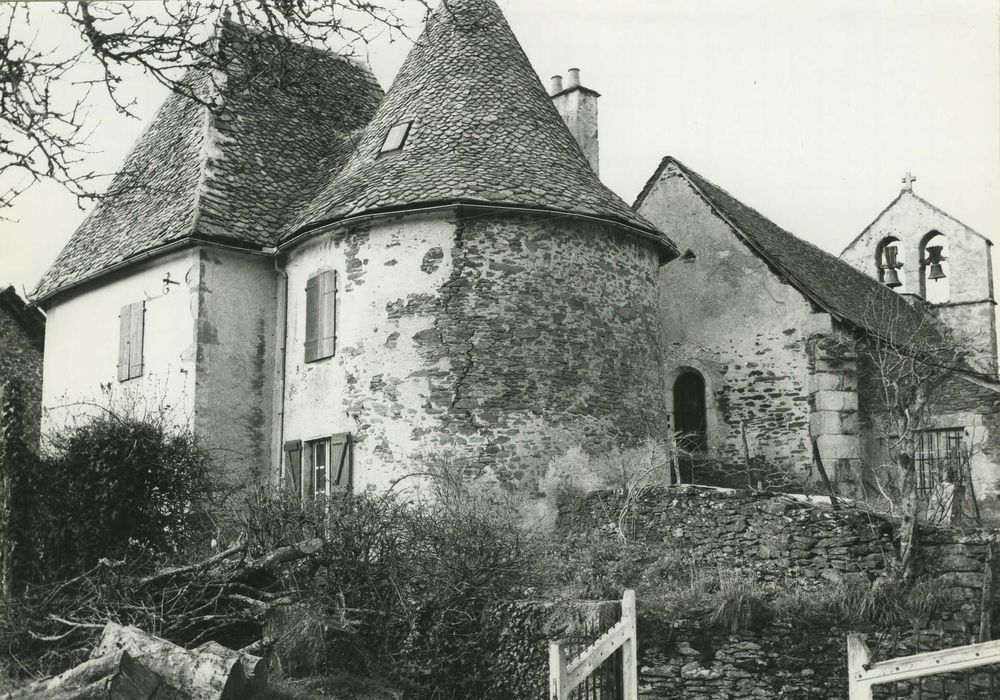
(827, 281)
(233, 173)
(482, 129)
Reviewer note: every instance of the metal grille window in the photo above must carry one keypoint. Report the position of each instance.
(939, 457)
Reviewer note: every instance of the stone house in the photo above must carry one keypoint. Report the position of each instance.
(336, 285)
(754, 323)
(22, 342)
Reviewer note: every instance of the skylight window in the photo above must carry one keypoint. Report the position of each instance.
(396, 137)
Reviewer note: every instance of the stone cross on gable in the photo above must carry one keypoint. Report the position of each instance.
(908, 181)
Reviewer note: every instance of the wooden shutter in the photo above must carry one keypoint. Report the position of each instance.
(124, 324)
(131, 323)
(340, 462)
(312, 318)
(293, 466)
(136, 334)
(328, 313)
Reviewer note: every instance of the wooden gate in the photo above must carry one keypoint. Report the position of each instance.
(566, 674)
(863, 675)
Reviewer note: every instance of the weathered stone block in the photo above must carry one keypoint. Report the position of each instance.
(835, 401)
(825, 423)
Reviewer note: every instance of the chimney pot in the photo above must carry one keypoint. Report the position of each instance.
(578, 108)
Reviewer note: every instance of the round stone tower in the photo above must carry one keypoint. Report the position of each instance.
(494, 302)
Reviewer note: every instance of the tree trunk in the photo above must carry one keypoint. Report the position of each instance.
(71, 683)
(908, 538)
(136, 682)
(198, 675)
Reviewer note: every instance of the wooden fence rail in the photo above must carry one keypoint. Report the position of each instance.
(565, 674)
(863, 675)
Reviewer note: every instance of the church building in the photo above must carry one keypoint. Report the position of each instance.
(336, 287)
(764, 337)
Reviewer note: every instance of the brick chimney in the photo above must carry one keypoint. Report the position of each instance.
(577, 106)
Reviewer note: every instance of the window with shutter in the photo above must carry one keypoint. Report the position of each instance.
(321, 316)
(131, 320)
(327, 466)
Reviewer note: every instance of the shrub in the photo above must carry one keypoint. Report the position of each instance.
(111, 485)
(404, 589)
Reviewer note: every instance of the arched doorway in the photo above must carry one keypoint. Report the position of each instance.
(690, 411)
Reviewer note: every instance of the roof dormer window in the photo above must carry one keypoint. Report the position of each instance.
(396, 137)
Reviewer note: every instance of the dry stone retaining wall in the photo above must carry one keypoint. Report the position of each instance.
(775, 537)
(792, 544)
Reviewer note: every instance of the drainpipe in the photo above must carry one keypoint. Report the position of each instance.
(278, 404)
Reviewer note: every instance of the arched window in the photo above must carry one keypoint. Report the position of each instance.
(690, 417)
(935, 285)
(889, 264)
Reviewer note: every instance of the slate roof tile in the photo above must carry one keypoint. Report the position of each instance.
(826, 280)
(236, 173)
(483, 130)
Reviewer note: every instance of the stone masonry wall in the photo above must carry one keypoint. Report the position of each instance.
(22, 358)
(729, 316)
(545, 334)
(833, 398)
(491, 339)
(792, 544)
(769, 537)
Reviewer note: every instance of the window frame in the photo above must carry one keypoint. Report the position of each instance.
(320, 332)
(339, 478)
(406, 127)
(320, 446)
(131, 340)
(936, 452)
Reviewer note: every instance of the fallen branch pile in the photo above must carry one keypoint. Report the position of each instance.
(224, 598)
(128, 664)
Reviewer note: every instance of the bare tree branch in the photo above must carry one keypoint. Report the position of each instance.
(45, 92)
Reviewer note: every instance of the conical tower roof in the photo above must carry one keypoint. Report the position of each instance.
(482, 130)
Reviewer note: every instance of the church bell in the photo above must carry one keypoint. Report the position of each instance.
(934, 259)
(889, 275)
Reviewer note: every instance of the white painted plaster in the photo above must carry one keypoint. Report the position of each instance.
(82, 340)
(318, 395)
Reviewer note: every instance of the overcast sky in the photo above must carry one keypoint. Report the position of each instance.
(808, 110)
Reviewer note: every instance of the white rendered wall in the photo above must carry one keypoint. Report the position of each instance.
(377, 267)
(81, 344)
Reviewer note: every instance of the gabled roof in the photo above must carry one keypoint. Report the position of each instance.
(911, 194)
(483, 130)
(31, 320)
(824, 279)
(234, 174)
